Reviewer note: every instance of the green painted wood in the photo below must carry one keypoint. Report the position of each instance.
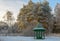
(39, 31)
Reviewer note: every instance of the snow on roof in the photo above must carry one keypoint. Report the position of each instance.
(38, 28)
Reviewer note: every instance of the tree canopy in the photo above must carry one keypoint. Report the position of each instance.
(34, 13)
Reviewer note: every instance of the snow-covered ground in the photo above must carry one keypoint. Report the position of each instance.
(22, 38)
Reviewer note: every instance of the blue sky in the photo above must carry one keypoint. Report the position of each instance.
(15, 5)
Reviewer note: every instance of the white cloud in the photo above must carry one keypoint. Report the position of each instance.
(11, 5)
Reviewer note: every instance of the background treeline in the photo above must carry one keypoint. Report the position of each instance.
(29, 16)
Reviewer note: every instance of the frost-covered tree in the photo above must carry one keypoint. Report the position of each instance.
(25, 15)
(34, 13)
(9, 18)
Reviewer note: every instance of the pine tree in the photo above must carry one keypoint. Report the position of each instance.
(39, 12)
(47, 14)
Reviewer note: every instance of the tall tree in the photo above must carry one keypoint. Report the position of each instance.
(47, 14)
(24, 15)
(8, 17)
(35, 12)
